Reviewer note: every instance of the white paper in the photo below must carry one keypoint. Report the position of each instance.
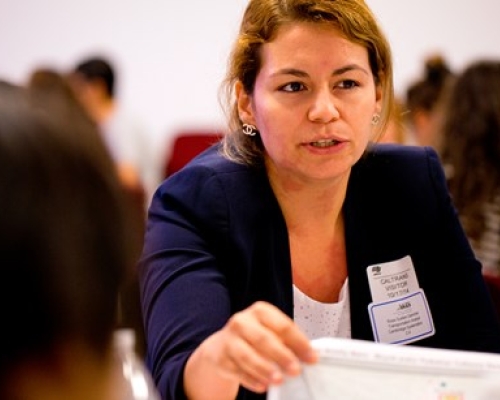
(359, 370)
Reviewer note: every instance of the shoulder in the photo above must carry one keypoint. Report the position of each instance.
(392, 161)
(399, 171)
(215, 192)
(210, 164)
(400, 155)
(212, 174)
(126, 122)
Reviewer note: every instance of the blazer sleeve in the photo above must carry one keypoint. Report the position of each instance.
(178, 271)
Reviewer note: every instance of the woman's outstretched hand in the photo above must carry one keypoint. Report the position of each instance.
(256, 348)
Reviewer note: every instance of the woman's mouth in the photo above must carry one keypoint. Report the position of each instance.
(324, 143)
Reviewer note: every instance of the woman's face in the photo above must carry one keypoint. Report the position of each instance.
(313, 103)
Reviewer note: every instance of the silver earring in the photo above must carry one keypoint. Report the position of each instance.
(249, 130)
(375, 119)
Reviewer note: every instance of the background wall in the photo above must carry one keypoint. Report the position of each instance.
(170, 54)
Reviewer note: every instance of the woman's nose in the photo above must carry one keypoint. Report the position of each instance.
(323, 108)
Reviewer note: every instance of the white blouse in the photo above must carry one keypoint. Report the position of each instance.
(323, 319)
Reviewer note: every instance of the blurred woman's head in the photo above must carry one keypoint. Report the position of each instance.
(470, 145)
(64, 238)
(423, 100)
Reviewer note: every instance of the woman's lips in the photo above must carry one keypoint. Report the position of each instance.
(324, 143)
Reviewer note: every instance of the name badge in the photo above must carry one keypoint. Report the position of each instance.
(399, 313)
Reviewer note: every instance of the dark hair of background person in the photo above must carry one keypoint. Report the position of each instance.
(49, 82)
(6, 85)
(97, 69)
(48, 88)
(470, 145)
(65, 235)
(425, 93)
(423, 98)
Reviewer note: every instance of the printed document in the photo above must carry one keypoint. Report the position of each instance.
(351, 369)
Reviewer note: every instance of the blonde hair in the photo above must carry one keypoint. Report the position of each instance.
(262, 20)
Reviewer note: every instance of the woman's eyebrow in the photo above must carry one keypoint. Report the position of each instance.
(302, 74)
(291, 71)
(350, 67)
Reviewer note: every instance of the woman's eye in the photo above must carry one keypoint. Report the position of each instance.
(292, 87)
(348, 84)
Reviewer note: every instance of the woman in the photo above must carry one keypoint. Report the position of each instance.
(290, 230)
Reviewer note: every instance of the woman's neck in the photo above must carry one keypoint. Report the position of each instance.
(310, 205)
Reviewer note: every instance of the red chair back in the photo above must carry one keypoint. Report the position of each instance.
(186, 146)
(493, 284)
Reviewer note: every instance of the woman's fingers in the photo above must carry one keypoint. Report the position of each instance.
(256, 348)
(284, 327)
(274, 344)
(252, 368)
(251, 362)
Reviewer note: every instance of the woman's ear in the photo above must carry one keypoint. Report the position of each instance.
(244, 101)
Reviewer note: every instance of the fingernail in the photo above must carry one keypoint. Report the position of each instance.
(258, 387)
(311, 356)
(276, 376)
(293, 368)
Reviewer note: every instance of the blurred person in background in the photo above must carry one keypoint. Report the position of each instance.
(52, 86)
(470, 151)
(94, 81)
(66, 246)
(48, 86)
(422, 101)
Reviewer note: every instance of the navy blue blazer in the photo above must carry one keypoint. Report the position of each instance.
(216, 241)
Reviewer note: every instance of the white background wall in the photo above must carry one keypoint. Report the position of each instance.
(170, 54)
